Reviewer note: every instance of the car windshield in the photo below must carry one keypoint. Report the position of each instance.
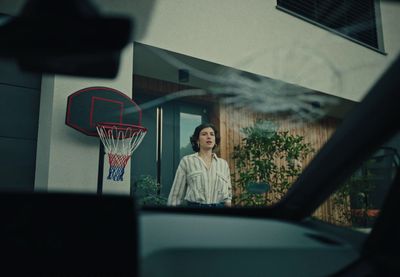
(233, 102)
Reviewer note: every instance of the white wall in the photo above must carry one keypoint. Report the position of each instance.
(67, 160)
(254, 36)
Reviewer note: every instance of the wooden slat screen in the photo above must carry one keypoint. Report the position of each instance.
(231, 120)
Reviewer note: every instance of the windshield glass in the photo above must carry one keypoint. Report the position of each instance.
(358, 201)
(227, 113)
(268, 131)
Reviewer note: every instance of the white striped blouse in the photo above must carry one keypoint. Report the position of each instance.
(194, 182)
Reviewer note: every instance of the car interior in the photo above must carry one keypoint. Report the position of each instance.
(84, 234)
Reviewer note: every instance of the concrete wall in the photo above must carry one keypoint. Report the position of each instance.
(254, 36)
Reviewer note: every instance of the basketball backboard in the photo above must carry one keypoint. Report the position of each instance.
(90, 106)
(114, 117)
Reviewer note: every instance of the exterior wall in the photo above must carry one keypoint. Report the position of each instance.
(66, 159)
(231, 121)
(254, 36)
(19, 112)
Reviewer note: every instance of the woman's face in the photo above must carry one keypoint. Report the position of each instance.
(206, 139)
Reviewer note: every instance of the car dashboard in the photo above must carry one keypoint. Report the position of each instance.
(174, 244)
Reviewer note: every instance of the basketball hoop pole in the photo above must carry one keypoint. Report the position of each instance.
(100, 175)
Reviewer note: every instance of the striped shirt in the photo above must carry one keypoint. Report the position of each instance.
(194, 182)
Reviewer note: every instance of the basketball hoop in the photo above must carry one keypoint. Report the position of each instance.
(120, 141)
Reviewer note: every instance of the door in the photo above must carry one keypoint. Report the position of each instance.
(170, 126)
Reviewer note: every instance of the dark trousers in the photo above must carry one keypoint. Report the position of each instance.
(200, 205)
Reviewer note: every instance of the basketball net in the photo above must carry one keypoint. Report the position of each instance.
(120, 141)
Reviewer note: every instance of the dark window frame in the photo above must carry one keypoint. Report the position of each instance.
(378, 26)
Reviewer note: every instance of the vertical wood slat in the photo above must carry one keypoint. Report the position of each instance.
(315, 133)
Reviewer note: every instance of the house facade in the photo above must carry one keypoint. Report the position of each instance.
(254, 39)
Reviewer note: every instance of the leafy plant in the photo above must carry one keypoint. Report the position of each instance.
(269, 156)
(146, 189)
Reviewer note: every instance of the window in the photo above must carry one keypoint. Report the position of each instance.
(187, 123)
(358, 21)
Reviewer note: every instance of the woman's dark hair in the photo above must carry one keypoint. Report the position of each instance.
(195, 137)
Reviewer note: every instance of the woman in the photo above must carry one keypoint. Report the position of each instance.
(202, 179)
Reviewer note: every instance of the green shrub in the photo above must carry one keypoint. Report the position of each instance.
(147, 191)
(267, 156)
